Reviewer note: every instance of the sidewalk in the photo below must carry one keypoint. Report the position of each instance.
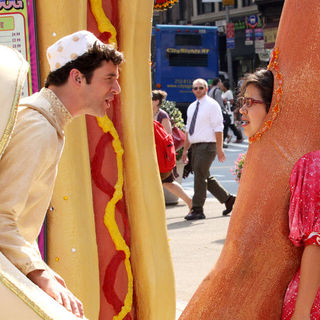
(195, 246)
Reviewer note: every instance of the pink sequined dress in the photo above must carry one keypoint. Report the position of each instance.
(304, 221)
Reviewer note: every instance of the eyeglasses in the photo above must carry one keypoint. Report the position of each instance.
(197, 88)
(248, 102)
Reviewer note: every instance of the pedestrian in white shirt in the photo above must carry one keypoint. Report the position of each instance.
(205, 138)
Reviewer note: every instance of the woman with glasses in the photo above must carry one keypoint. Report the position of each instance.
(302, 298)
(255, 99)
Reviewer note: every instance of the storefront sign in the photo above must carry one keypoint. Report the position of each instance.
(270, 35)
(17, 30)
(259, 40)
(258, 34)
(239, 25)
(252, 21)
(228, 2)
(259, 46)
(249, 37)
(230, 36)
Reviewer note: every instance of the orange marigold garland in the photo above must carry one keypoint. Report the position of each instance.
(164, 4)
(277, 95)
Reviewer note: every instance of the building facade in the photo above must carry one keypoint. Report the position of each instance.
(253, 24)
(180, 13)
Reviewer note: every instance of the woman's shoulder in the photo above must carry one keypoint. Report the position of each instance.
(161, 111)
(162, 115)
(308, 164)
(313, 156)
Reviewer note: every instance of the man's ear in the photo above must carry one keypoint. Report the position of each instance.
(76, 77)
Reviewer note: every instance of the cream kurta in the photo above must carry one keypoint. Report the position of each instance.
(28, 171)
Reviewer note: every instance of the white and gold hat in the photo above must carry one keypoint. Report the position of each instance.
(70, 48)
(13, 71)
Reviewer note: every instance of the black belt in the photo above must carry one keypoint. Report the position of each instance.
(195, 144)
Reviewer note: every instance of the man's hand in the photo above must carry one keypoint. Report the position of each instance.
(58, 278)
(57, 290)
(221, 155)
(185, 158)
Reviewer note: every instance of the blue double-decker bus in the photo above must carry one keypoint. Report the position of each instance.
(181, 54)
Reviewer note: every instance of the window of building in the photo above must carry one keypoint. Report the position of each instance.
(208, 7)
(247, 3)
(235, 4)
(205, 7)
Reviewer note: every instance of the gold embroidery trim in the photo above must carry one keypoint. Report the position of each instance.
(276, 98)
(13, 112)
(57, 108)
(20, 294)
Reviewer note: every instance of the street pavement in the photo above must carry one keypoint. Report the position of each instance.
(196, 245)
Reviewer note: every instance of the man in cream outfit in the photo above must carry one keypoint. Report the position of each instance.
(83, 80)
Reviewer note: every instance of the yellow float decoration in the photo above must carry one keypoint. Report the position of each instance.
(104, 24)
(109, 218)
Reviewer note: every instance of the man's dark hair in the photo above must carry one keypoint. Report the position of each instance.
(215, 81)
(86, 64)
(226, 84)
(263, 80)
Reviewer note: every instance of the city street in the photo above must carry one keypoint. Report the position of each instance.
(195, 246)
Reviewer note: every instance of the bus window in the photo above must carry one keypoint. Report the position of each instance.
(188, 60)
(188, 40)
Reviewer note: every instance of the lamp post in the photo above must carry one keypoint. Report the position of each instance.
(229, 58)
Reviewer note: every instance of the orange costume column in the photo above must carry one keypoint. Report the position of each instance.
(258, 261)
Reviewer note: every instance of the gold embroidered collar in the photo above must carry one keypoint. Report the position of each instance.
(59, 112)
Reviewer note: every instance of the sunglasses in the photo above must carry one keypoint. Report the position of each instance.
(248, 102)
(197, 88)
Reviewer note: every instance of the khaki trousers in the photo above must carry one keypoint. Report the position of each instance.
(202, 157)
